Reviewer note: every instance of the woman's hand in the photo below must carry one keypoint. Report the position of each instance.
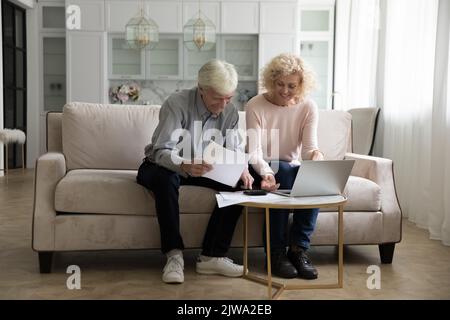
(317, 155)
(268, 183)
(247, 179)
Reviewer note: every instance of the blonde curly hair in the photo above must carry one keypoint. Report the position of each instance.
(286, 64)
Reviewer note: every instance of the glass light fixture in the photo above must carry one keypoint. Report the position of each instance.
(141, 31)
(199, 33)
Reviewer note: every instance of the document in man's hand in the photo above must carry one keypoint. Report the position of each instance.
(227, 165)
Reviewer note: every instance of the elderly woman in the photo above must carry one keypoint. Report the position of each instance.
(285, 108)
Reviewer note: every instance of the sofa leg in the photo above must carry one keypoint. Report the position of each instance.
(45, 261)
(386, 252)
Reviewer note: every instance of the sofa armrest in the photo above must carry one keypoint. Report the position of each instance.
(50, 168)
(381, 171)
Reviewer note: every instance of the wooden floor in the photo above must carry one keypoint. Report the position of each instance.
(420, 270)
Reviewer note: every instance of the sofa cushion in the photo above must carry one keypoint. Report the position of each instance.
(362, 195)
(334, 133)
(116, 192)
(97, 136)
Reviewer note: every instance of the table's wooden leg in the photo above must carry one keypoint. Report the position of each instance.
(269, 264)
(341, 246)
(245, 241)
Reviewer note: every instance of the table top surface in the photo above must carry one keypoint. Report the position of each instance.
(295, 202)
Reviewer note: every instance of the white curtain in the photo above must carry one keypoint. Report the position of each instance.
(412, 87)
(439, 215)
(408, 100)
(357, 28)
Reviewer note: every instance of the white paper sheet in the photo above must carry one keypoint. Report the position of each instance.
(227, 165)
(225, 199)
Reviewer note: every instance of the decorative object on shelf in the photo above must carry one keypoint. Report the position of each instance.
(125, 92)
(141, 31)
(8, 136)
(245, 95)
(199, 33)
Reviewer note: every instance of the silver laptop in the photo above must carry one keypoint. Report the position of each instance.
(320, 178)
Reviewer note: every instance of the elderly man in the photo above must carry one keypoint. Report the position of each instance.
(167, 166)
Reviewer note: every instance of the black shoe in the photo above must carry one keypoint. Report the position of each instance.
(281, 266)
(301, 262)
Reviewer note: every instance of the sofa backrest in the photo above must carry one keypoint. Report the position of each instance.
(104, 136)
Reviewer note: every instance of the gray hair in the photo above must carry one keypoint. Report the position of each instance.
(218, 75)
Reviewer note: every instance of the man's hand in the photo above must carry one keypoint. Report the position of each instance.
(268, 183)
(317, 155)
(196, 170)
(247, 179)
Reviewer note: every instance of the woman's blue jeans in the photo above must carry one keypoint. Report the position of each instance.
(304, 220)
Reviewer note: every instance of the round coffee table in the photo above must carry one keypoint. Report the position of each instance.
(282, 202)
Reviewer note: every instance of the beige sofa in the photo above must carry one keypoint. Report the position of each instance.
(86, 196)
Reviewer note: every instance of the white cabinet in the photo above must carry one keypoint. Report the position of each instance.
(316, 46)
(240, 17)
(53, 71)
(209, 9)
(193, 60)
(91, 14)
(124, 62)
(166, 14)
(242, 52)
(165, 61)
(52, 16)
(86, 70)
(119, 12)
(279, 17)
(271, 45)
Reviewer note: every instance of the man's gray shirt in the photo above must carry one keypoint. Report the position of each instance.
(180, 111)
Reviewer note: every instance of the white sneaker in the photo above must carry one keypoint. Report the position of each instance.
(222, 265)
(173, 271)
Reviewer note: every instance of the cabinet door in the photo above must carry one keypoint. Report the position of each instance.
(124, 62)
(193, 60)
(52, 16)
(53, 72)
(271, 45)
(279, 17)
(242, 52)
(91, 14)
(165, 61)
(240, 17)
(317, 54)
(210, 9)
(316, 46)
(86, 74)
(119, 12)
(166, 14)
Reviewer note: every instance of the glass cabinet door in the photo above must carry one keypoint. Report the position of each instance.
(125, 62)
(242, 52)
(54, 73)
(316, 46)
(195, 59)
(165, 60)
(316, 54)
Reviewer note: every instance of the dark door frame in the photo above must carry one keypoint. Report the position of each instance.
(6, 86)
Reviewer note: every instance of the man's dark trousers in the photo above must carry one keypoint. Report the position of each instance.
(165, 185)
